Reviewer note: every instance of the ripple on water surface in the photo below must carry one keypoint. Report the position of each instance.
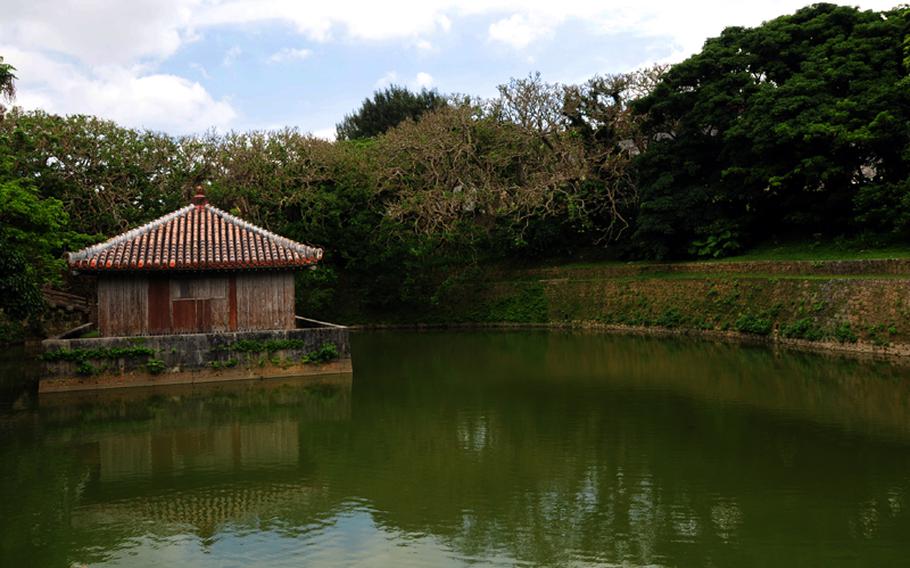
(474, 448)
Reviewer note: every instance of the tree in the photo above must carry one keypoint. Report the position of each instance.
(7, 82)
(108, 177)
(386, 109)
(32, 232)
(600, 113)
(26, 250)
(776, 129)
(32, 235)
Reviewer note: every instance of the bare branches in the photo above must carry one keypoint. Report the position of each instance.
(539, 152)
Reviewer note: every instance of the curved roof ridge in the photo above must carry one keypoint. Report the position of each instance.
(300, 247)
(132, 233)
(194, 238)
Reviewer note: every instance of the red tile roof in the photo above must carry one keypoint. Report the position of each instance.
(196, 237)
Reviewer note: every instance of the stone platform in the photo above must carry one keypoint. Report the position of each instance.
(114, 362)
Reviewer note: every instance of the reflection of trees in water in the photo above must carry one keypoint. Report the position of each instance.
(626, 477)
(115, 465)
(543, 448)
(312, 398)
(584, 447)
(39, 491)
(856, 394)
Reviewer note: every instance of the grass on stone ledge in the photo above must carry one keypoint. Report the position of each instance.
(832, 250)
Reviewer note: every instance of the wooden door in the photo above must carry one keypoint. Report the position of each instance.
(184, 311)
(204, 315)
(192, 315)
(159, 306)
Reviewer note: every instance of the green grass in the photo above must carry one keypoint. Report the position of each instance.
(834, 250)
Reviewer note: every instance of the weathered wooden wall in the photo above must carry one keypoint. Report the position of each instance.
(155, 305)
(199, 303)
(265, 300)
(123, 306)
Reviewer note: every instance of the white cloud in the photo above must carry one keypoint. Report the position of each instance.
(424, 80)
(101, 33)
(389, 78)
(231, 55)
(325, 133)
(289, 54)
(105, 32)
(156, 101)
(520, 30)
(318, 21)
(200, 68)
(108, 52)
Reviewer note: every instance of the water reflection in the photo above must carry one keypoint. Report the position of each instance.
(494, 448)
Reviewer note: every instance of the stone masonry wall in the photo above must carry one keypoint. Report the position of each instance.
(101, 362)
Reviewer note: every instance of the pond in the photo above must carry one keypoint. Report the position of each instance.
(529, 448)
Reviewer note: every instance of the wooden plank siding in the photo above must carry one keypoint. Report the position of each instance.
(232, 302)
(122, 306)
(265, 300)
(204, 303)
(160, 305)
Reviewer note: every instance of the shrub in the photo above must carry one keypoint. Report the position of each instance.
(155, 366)
(803, 328)
(876, 334)
(717, 245)
(81, 355)
(844, 333)
(671, 318)
(755, 325)
(326, 352)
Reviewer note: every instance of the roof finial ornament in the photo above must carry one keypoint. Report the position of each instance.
(199, 200)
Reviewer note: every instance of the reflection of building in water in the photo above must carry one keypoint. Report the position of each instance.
(219, 448)
(202, 458)
(326, 397)
(206, 509)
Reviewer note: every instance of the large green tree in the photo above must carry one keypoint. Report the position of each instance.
(385, 109)
(788, 127)
(7, 84)
(32, 230)
(7, 80)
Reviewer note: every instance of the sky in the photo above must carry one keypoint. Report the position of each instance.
(188, 66)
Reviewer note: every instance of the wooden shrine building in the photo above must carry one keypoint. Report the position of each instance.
(196, 270)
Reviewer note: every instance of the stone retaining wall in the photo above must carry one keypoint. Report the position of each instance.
(870, 267)
(108, 362)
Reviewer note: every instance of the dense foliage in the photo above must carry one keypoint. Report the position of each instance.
(386, 109)
(33, 231)
(7, 81)
(795, 128)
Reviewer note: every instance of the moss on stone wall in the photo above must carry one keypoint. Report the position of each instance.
(792, 301)
(812, 309)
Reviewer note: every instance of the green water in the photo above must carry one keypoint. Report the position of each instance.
(473, 448)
